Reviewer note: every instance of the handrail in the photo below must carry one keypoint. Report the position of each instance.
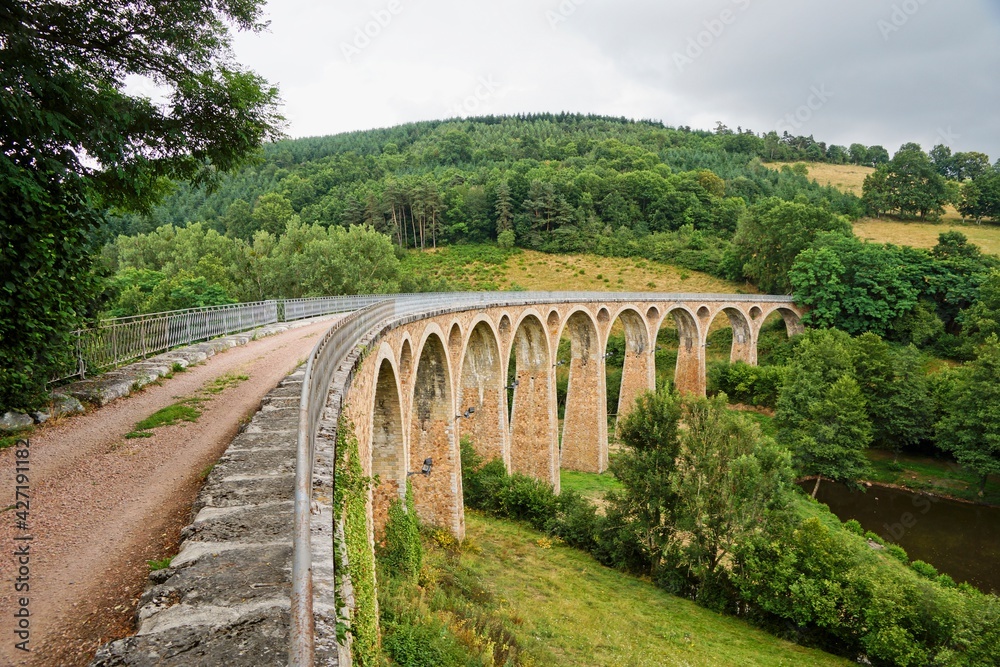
(335, 347)
(326, 357)
(117, 341)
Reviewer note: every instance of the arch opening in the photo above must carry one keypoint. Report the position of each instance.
(482, 396)
(689, 371)
(630, 364)
(438, 495)
(387, 446)
(730, 338)
(773, 339)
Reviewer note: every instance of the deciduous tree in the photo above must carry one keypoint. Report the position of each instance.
(73, 141)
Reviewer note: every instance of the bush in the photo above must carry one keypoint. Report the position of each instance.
(854, 526)
(924, 569)
(743, 383)
(402, 553)
(898, 553)
(506, 239)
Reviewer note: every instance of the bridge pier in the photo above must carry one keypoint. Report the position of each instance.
(534, 416)
(437, 494)
(585, 423)
(639, 368)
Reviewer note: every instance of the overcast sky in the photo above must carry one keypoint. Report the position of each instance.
(872, 71)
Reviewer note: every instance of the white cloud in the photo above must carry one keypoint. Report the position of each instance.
(425, 59)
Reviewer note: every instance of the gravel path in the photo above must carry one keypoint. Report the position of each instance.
(102, 505)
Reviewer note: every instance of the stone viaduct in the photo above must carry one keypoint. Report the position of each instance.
(414, 374)
(428, 380)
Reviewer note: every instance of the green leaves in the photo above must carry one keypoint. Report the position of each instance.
(772, 234)
(970, 425)
(62, 72)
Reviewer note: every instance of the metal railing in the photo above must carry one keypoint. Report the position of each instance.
(299, 309)
(118, 341)
(121, 340)
(328, 355)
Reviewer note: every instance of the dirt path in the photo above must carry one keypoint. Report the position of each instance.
(102, 505)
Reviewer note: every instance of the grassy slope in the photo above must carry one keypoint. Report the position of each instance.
(578, 612)
(488, 268)
(850, 178)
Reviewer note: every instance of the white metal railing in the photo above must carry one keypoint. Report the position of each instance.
(118, 341)
(331, 352)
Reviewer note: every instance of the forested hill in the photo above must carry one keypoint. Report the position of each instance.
(556, 182)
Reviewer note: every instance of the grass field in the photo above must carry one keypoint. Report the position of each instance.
(570, 610)
(844, 177)
(480, 267)
(851, 178)
(925, 234)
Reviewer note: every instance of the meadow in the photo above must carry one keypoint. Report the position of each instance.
(559, 606)
(483, 267)
(918, 234)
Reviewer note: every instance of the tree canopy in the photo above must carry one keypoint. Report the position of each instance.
(74, 141)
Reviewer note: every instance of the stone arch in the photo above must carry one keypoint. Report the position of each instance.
(585, 426)
(767, 328)
(689, 375)
(603, 316)
(638, 366)
(405, 361)
(438, 495)
(553, 319)
(504, 326)
(755, 313)
(482, 388)
(533, 444)
(388, 447)
(455, 340)
(744, 346)
(653, 314)
(793, 323)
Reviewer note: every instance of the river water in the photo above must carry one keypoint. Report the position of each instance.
(959, 539)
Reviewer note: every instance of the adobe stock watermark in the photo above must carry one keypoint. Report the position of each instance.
(894, 532)
(947, 137)
(795, 120)
(562, 13)
(476, 103)
(901, 14)
(365, 35)
(698, 44)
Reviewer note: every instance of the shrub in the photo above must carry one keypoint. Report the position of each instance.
(743, 383)
(924, 569)
(402, 553)
(854, 526)
(898, 553)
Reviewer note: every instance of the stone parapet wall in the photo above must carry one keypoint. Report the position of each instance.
(224, 599)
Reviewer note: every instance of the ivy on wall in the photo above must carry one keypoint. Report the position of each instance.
(350, 497)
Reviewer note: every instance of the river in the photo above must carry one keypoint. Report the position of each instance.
(959, 539)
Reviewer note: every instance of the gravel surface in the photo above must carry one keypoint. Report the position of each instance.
(102, 505)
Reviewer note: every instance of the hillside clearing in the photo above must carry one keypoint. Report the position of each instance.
(851, 178)
(471, 267)
(578, 612)
(925, 234)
